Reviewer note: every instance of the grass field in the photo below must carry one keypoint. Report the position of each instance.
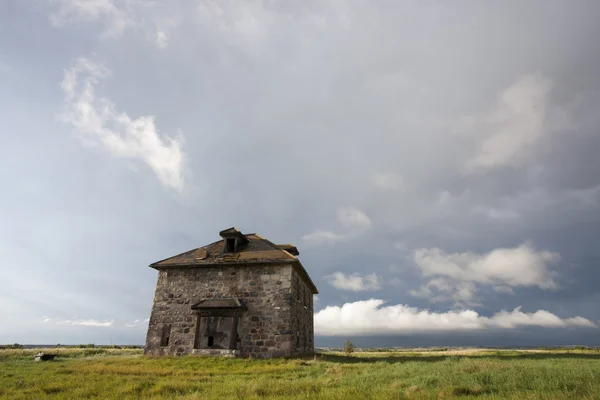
(121, 373)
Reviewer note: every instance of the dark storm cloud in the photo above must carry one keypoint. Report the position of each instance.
(467, 128)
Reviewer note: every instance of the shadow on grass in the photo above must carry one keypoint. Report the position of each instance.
(392, 359)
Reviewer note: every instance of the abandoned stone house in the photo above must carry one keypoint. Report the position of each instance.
(240, 296)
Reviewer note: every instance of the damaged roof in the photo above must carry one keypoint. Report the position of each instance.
(251, 249)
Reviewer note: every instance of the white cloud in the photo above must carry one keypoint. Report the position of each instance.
(46, 319)
(456, 275)
(98, 123)
(368, 317)
(132, 324)
(518, 266)
(353, 219)
(322, 237)
(150, 18)
(513, 127)
(354, 222)
(116, 15)
(441, 290)
(87, 322)
(354, 282)
(162, 40)
(387, 181)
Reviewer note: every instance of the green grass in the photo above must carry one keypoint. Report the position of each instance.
(66, 352)
(125, 373)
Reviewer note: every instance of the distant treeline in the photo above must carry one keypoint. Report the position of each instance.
(442, 349)
(17, 346)
(570, 348)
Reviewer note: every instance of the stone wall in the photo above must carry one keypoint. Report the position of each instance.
(273, 323)
(302, 316)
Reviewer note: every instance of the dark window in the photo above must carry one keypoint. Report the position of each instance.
(211, 341)
(229, 245)
(166, 336)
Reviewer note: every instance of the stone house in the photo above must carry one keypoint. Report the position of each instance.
(240, 296)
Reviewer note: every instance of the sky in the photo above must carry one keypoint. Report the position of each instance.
(435, 164)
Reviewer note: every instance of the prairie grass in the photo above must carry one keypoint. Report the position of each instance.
(66, 352)
(125, 373)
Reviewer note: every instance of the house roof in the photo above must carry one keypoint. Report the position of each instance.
(254, 249)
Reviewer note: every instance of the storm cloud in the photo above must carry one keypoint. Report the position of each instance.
(432, 162)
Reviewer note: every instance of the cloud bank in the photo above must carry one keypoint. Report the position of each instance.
(368, 317)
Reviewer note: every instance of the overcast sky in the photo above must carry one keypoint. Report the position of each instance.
(436, 164)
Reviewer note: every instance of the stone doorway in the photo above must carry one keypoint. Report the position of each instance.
(217, 325)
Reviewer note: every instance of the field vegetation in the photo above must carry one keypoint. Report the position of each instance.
(443, 373)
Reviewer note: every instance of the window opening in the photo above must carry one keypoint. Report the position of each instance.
(230, 245)
(166, 336)
(211, 341)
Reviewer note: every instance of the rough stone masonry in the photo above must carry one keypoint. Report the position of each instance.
(240, 296)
